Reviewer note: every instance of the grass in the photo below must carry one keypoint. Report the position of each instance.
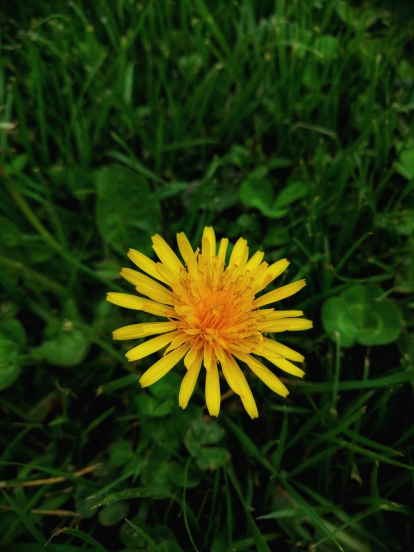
(289, 123)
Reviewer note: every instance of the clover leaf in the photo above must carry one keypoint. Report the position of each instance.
(200, 434)
(358, 316)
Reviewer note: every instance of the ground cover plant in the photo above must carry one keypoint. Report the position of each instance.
(287, 123)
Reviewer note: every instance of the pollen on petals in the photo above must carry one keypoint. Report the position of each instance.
(214, 317)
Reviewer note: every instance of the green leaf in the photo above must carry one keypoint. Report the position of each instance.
(261, 545)
(120, 383)
(358, 315)
(246, 224)
(375, 455)
(381, 325)
(275, 237)
(108, 269)
(248, 444)
(10, 234)
(278, 454)
(13, 329)
(288, 195)
(347, 13)
(155, 408)
(401, 221)
(338, 322)
(144, 535)
(405, 165)
(69, 348)
(10, 366)
(85, 537)
(177, 474)
(360, 294)
(279, 163)
(156, 477)
(256, 192)
(171, 190)
(18, 163)
(166, 386)
(83, 505)
(327, 45)
(120, 453)
(12, 340)
(294, 513)
(309, 510)
(212, 457)
(202, 433)
(164, 538)
(387, 381)
(126, 211)
(129, 536)
(128, 494)
(25, 518)
(111, 514)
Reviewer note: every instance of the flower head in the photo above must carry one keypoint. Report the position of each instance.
(213, 316)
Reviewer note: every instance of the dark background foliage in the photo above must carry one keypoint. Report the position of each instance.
(287, 123)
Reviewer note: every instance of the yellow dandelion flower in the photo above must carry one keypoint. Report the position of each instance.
(213, 317)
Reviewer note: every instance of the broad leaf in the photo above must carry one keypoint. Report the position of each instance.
(357, 316)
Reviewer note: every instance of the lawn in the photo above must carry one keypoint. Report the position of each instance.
(289, 124)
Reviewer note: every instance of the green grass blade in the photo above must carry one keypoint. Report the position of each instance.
(309, 511)
(260, 542)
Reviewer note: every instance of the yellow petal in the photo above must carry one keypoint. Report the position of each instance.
(272, 346)
(158, 309)
(218, 351)
(228, 376)
(191, 356)
(126, 300)
(256, 274)
(134, 331)
(239, 254)
(254, 261)
(179, 340)
(250, 407)
(299, 324)
(150, 346)
(162, 366)
(278, 294)
(285, 325)
(222, 251)
(166, 255)
(211, 236)
(213, 397)
(203, 269)
(168, 275)
(144, 263)
(272, 272)
(237, 381)
(139, 303)
(264, 374)
(147, 286)
(208, 356)
(206, 252)
(185, 248)
(285, 365)
(262, 351)
(276, 315)
(190, 379)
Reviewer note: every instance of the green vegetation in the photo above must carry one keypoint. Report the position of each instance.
(287, 123)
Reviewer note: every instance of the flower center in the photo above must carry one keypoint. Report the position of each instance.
(218, 313)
